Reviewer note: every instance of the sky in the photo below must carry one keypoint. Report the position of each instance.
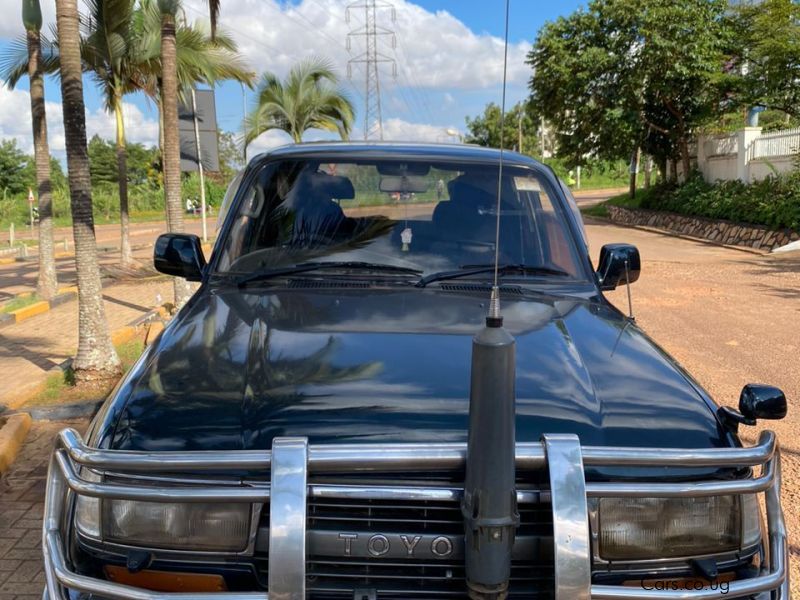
(449, 56)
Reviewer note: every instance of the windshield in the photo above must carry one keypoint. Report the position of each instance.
(411, 216)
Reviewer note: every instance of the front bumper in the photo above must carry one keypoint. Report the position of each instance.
(292, 459)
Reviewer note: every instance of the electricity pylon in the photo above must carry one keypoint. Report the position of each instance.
(372, 59)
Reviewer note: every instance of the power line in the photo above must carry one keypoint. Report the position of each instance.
(273, 48)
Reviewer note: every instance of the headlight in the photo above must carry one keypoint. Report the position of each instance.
(204, 527)
(87, 510)
(654, 528)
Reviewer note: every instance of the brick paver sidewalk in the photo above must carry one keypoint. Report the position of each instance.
(28, 350)
(21, 504)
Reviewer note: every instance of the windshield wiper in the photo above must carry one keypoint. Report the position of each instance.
(317, 266)
(467, 270)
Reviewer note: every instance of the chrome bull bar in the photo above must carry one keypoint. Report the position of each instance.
(292, 459)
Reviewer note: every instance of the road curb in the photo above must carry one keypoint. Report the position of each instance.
(12, 436)
(118, 336)
(666, 232)
(37, 308)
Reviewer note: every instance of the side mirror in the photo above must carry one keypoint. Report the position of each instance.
(762, 402)
(619, 264)
(755, 402)
(179, 254)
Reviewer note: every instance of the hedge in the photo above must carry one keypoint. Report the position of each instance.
(773, 202)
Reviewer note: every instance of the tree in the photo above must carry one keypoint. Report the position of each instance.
(47, 281)
(96, 358)
(108, 51)
(769, 33)
(13, 168)
(309, 98)
(628, 74)
(231, 160)
(102, 162)
(171, 150)
(520, 126)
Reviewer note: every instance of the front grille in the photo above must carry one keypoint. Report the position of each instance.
(396, 580)
(339, 567)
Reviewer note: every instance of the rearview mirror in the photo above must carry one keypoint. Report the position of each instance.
(179, 254)
(619, 264)
(762, 402)
(755, 402)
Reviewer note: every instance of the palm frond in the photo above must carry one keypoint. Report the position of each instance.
(309, 98)
(14, 60)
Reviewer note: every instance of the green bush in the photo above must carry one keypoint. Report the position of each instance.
(774, 201)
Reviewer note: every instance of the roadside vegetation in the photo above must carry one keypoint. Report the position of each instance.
(18, 302)
(773, 202)
(61, 388)
(145, 183)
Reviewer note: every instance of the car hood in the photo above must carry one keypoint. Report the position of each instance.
(237, 368)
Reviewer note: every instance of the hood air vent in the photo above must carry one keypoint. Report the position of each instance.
(326, 285)
(478, 288)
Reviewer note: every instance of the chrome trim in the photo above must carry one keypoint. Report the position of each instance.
(354, 458)
(116, 491)
(287, 519)
(385, 492)
(571, 545)
(677, 490)
(294, 460)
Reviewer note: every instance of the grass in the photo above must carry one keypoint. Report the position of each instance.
(622, 200)
(60, 388)
(599, 211)
(19, 302)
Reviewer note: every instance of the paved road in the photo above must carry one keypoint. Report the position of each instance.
(21, 276)
(730, 317)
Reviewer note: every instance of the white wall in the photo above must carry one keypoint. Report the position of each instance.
(719, 168)
(732, 157)
(760, 167)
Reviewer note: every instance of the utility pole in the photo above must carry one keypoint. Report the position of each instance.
(519, 146)
(200, 166)
(371, 58)
(541, 134)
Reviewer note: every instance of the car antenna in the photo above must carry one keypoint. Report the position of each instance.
(489, 505)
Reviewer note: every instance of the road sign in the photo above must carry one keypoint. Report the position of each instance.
(30, 196)
(206, 128)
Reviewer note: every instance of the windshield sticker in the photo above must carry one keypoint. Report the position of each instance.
(527, 184)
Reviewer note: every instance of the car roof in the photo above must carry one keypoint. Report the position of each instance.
(396, 150)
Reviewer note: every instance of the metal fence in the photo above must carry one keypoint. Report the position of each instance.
(785, 142)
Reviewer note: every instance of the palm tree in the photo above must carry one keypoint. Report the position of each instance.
(35, 63)
(96, 357)
(178, 65)
(108, 52)
(171, 150)
(309, 98)
(199, 57)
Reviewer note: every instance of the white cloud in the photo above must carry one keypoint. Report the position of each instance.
(398, 130)
(434, 51)
(15, 122)
(11, 25)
